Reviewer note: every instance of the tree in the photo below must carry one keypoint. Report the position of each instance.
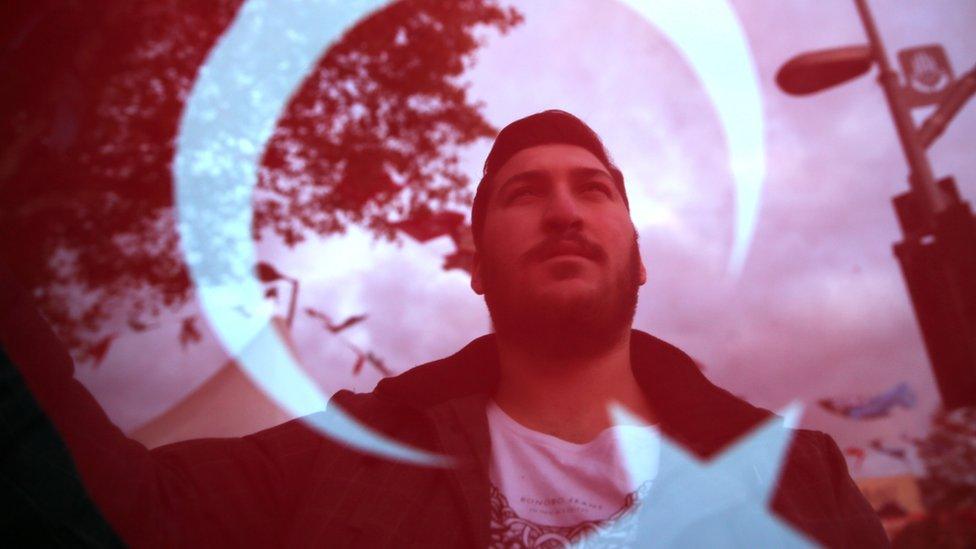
(89, 117)
(949, 453)
(949, 485)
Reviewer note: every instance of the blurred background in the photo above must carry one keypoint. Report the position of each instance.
(361, 204)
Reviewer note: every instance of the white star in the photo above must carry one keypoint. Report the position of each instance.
(722, 502)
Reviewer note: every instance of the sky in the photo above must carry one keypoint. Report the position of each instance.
(819, 308)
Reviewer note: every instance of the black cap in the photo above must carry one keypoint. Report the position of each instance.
(543, 128)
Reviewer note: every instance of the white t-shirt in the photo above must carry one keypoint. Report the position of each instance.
(548, 489)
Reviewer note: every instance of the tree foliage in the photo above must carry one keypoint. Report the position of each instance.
(90, 113)
(949, 454)
(949, 485)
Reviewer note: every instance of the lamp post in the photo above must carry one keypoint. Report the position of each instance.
(267, 274)
(938, 252)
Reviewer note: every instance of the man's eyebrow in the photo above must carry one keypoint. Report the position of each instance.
(584, 173)
(541, 175)
(528, 175)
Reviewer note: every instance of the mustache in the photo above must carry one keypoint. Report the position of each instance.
(558, 243)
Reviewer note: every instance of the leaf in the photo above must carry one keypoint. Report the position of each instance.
(349, 322)
(189, 332)
(427, 226)
(97, 351)
(360, 360)
(138, 326)
(377, 363)
(459, 260)
(330, 325)
(314, 313)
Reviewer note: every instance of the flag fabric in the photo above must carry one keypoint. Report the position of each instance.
(874, 407)
(890, 451)
(857, 454)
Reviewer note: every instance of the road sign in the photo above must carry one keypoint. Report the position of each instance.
(927, 74)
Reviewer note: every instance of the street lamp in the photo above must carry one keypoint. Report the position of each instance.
(267, 273)
(818, 70)
(938, 252)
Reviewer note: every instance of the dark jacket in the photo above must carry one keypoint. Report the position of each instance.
(289, 486)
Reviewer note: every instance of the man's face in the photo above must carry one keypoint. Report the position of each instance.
(558, 253)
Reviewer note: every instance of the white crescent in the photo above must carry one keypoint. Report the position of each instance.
(240, 92)
(708, 34)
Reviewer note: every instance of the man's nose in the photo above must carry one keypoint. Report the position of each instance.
(562, 212)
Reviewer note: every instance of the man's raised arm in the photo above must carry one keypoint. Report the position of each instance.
(206, 492)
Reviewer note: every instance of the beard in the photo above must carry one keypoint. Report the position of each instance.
(556, 329)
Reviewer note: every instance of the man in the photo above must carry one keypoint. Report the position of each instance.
(527, 414)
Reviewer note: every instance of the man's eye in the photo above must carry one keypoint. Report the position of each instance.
(522, 192)
(598, 187)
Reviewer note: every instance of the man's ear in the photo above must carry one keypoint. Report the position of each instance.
(642, 273)
(477, 284)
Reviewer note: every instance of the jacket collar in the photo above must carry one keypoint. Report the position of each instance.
(691, 410)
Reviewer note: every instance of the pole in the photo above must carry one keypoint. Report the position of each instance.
(921, 180)
(938, 252)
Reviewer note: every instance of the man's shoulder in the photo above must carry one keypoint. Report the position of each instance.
(817, 495)
(472, 369)
(690, 408)
(396, 401)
